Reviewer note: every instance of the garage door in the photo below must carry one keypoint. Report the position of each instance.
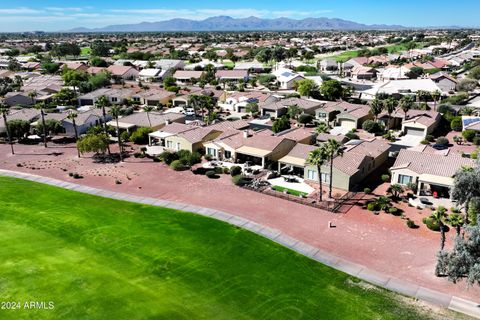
(348, 124)
(414, 132)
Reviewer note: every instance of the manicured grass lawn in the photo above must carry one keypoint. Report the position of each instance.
(98, 258)
(290, 191)
(228, 63)
(85, 51)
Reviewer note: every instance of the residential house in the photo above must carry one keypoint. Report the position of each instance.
(26, 114)
(359, 160)
(328, 65)
(153, 120)
(187, 76)
(123, 72)
(151, 74)
(432, 172)
(232, 75)
(278, 108)
(238, 101)
(115, 96)
(444, 81)
(286, 78)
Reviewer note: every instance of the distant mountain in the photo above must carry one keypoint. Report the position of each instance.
(225, 23)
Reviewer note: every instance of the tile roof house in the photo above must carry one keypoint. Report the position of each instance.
(433, 173)
(152, 120)
(123, 72)
(26, 114)
(287, 78)
(278, 108)
(186, 75)
(359, 160)
(232, 75)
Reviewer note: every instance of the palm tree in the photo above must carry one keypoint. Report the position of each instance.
(376, 107)
(322, 128)
(406, 103)
(5, 109)
(396, 190)
(390, 105)
(33, 94)
(456, 221)
(435, 96)
(101, 103)
(438, 216)
(72, 116)
(148, 109)
(333, 149)
(39, 106)
(317, 158)
(115, 112)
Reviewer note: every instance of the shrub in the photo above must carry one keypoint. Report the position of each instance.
(305, 118)
(239, 180)
(208, 157)
(372, 206)
(211, 174)
(371, 126)
(140, 136)
(218, 170)
(177, 165)
(235, 171)
(469, 135)
(430, 138)
(476, 141)
(226, 170)
(431, 224)
(77, 176)
(168, 157)
(125, 136)
(424, 141)
(456, 124)
(367, 191)
(351, 136)
(394, 211)
(442, 141)
(411, 224)
(385, 177)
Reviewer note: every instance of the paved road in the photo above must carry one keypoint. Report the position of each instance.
(403, 287)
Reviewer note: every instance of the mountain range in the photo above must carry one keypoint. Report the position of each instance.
(225, 23)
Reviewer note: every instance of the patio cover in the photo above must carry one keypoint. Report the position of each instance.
(294, 161)
(121, 125)
(160, 134)
(253, 151)
(436, 180)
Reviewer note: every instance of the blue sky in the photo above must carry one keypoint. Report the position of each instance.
(52, 15)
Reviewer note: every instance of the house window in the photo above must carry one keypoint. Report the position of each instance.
(114, 99)
(402, 179)
(178, 146)
(228, 154)
(325, 177)
(136, 99)
(322, 115)
(212, 152)
(169, 144)
(311, 174)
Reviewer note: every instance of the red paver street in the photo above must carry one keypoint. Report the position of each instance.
(382, 243)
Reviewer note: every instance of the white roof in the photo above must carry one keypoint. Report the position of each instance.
(150, 72)
(395, 73)
(404, 87)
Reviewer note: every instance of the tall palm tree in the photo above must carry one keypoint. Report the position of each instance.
(322, 128)
(148, 109)
(406, 104)
(438, 216)
(333, 149)
(5, 109)
(72, 116)
(40, 106)
(33, 94)
(390, 105)
(317, 158)
(435, 96)
(376, 107)
(115, 112)
(101, 103)
(456, 221)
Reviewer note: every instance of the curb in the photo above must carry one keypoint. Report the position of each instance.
(384, 281)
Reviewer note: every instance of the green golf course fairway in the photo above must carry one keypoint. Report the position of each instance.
(98, 258)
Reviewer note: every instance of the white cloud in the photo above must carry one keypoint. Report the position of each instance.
(20, 10)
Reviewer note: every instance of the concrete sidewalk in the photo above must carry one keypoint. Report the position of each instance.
(403, 287)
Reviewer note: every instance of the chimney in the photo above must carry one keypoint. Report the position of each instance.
(246, 134)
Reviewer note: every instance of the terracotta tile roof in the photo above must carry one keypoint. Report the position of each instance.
(185, 74)
(429, 163)
(355, 154)
(232, 74)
